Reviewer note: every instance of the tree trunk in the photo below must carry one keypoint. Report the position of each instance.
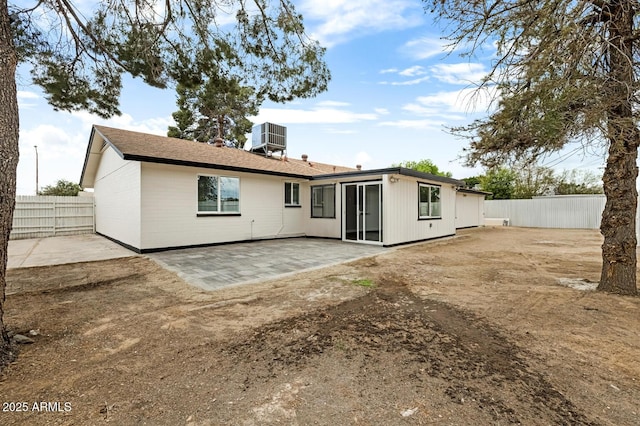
(618, 224)
(619, 217)
(8, 159)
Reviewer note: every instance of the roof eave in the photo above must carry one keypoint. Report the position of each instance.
(159, 160)
(390, 170)
(90, 156)
(474, 191)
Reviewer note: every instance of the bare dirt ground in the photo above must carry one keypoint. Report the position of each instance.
(477, 329)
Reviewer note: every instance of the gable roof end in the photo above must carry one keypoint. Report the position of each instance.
(137, 146)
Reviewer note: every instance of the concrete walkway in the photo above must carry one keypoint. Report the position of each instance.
(214, 267)
(59, 250)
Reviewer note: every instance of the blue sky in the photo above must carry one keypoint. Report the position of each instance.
(394, 90)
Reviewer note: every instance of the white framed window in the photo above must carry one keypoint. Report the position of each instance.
(218, 194)
(323, 201)
(429, 204)
(291, 194)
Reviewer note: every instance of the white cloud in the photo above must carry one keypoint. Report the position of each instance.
(413, 71)
(362, 158)
(319, 114)
(62, 145)
(389, 71)
(462, 73)
(334, 131)
(423, 124)
(26, 99)
(407, 82)
(336, 21)
(424, 48)
(156, 126)
(381, 111)
(442, 109)
(332, 104)
(465, 101)
(23, 94)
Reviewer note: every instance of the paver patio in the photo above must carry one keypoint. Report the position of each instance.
(229, 264)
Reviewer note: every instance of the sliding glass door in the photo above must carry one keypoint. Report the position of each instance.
(362, 219)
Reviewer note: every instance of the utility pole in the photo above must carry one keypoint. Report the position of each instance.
(37, 187)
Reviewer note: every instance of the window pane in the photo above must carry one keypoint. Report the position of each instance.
(296, 193)
(424, 194)
(423, 203)
(329, 201)
(230, 194)
(435, 201)
(323, 201)
(424, 209)
(207, 194)
(287, 193)
(316, 201)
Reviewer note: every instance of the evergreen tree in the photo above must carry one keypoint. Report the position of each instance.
(78, 56)
(218, 108)
(566, 72)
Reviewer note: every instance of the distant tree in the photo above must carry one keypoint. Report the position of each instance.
(62, 187)
(532, 181)
(500, 182)
(425, 166)
(78, 51)
(576, 182)
(217, 108)
(472, 182)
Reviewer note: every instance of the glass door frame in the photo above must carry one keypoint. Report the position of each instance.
(361, 212)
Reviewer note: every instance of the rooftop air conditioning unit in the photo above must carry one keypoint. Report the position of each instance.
(268, 137)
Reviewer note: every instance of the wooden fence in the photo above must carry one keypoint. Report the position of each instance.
(45, 216)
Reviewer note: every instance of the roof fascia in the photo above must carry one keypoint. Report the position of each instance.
(86, 155)
(473, 191)
(157, 160)
(390, 170)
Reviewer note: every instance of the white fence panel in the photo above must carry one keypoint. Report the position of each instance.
(562, 211)
(46, 216)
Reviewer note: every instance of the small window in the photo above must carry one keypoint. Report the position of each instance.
(323, 201)
(429, 201)
(291, 194)
(218, 194)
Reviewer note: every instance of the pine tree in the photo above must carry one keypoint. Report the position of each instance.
(566, 71)
(78, 56)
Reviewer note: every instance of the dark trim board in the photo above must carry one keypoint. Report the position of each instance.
(418, 241)
(125, 245)
(146, 159)
(161, 249)
(470, 226)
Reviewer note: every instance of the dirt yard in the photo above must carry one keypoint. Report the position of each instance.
(479, 329)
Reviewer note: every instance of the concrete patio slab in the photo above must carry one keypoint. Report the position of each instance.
(60, 250)
(214, 267)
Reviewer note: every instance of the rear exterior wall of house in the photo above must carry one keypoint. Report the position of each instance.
(402, 221)
(170, 208)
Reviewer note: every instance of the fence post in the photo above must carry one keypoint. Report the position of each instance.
(55, 217)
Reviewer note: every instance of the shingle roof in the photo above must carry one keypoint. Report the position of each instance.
(160, 149)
